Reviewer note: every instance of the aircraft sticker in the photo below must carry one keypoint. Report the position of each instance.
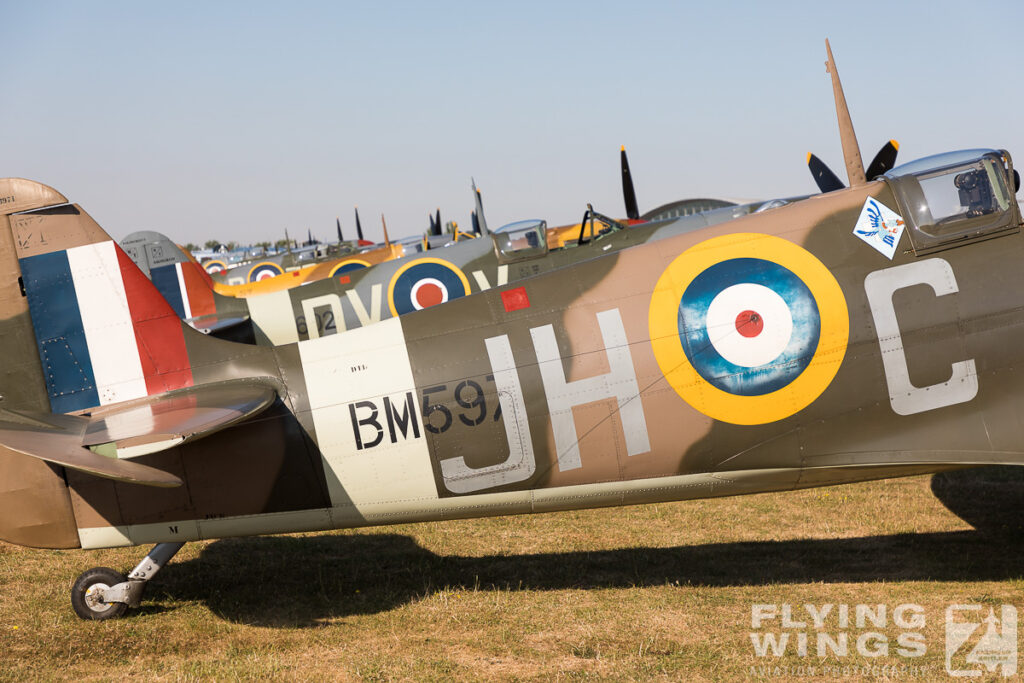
(880, 226)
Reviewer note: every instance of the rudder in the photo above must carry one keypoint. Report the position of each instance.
(103, 333)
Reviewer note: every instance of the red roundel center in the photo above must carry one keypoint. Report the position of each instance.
(749, 323)
(428, 294)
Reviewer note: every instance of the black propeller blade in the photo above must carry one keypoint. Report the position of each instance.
(827, 181)
(430, 230)
(359, 227)
(437, 223)
(478, 199)
(628, 192)
(476, 223)
(338, 221)
(883, 161)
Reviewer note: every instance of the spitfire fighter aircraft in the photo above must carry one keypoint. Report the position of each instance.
(865, 333)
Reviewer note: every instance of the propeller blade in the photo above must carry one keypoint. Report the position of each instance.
(338, 221)
(628, 192)
(827, 180)
(479, 208)
(476, 223)
(359, 227)
(884, 160)
(437, 222)
(430, 230)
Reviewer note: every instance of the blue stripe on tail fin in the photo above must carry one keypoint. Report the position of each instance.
(60, 332)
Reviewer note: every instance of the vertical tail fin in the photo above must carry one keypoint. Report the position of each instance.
(22, 383)
(102, 331)
(179, 278)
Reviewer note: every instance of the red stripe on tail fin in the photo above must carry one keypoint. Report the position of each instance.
(158, 331)
(199, 287)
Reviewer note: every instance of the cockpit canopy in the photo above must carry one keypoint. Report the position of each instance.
(954, 198)
(521, 240)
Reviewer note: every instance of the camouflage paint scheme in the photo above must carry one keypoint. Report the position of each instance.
(557, 392)
(864, 333)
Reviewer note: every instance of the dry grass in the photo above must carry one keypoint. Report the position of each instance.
(661, 592)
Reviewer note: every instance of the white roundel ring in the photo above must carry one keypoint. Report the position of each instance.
(749, 324)
(428, 292)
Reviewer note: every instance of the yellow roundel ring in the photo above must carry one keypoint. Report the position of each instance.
(214, 266)
(263, 271)
(425, 282)
(748, 328)
(348, 265)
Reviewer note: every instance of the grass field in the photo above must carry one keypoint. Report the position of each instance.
(659, 592)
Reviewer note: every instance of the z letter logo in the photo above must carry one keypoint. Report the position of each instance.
(975, 640)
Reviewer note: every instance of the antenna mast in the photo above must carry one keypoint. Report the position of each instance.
(851, 151)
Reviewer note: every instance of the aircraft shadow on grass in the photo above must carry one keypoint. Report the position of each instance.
(303, 582)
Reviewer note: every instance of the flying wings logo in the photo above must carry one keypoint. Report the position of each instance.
(748, 329)
(879, 226)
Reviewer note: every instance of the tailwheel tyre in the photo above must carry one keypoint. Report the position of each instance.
(87, 594)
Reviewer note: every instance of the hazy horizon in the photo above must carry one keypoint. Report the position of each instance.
(236, 121)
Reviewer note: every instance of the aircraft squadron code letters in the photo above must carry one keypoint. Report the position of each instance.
(328, 311)
(373, 419)
(437, 416)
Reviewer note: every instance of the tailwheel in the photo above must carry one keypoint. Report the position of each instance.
(103, 593)
(88, 594)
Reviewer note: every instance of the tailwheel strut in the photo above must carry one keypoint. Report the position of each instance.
(102, 593)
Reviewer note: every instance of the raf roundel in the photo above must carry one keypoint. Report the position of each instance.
(347, 266)
(424, 283)
(748, 329)
(215, 266)
(264, 271)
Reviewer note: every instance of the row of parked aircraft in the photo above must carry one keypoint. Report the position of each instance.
(862, 333)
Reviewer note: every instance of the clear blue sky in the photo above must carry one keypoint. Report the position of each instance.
(236, 120)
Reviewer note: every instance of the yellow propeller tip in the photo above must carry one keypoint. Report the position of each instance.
(808, 157)
(895, 144)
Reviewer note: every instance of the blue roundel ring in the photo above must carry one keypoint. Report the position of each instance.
(755, 365)
(347, 266)
(423, 283)
(264, 270)
(748, 328)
